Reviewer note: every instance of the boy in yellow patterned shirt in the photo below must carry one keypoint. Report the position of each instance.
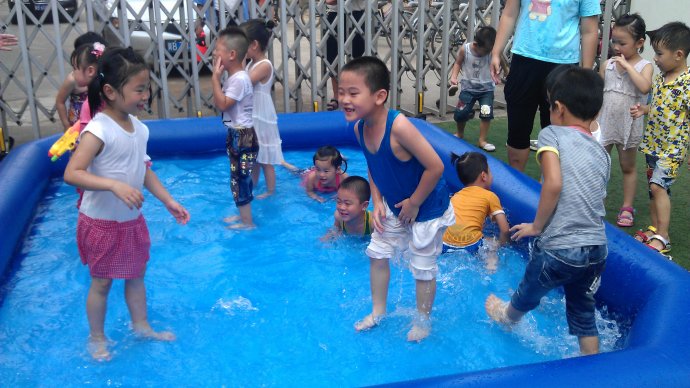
(472, 205)
(667, 135)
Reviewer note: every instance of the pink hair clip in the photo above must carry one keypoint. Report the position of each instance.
(98, 49)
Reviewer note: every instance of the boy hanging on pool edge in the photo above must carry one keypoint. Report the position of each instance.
(411, 204)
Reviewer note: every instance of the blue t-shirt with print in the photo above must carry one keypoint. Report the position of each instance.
(549, 30)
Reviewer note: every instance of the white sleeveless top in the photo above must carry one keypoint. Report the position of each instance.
(123, 158)
(476, 72)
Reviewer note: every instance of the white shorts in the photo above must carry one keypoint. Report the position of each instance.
(420, 242)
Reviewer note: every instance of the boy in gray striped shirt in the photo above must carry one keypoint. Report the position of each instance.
(569, 248)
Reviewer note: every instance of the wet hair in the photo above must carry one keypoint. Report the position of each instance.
(634, 25)
(485, 38)
(375, 72)
(115, 67)
(258, 30)
(580, 90)
(332, 155)
(469, 166)
(671, 36)
(87, 54)
(357, 185)
(234, 38)
(88, 37)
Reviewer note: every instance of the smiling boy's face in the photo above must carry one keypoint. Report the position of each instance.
(355, 97)
(349, 206)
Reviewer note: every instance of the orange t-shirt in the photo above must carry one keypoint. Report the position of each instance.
(471, 206)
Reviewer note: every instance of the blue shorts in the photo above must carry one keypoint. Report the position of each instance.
(471, 249)
(662, 172)
(465, 107)
(578, 270)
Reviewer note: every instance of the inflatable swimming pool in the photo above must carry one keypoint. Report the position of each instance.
(638, 285)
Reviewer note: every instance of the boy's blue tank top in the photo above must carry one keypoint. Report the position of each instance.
(397, 180)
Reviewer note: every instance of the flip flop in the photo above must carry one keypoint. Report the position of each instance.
(533, 145)
(488, 147)
(626, 220)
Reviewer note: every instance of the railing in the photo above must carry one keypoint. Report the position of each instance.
(417, 39)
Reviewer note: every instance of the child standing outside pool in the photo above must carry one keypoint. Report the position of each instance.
(411, 205)
(666, 138)
(70, 89)
(111, 166)
(472, 205)
(235, 100)
(351, 214)
(474, 60)
(570, 245)
(264, 115)
(627, 80)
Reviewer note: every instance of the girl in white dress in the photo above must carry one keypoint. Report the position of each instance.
(260, 71)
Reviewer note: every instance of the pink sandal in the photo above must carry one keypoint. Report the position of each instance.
(625, 220)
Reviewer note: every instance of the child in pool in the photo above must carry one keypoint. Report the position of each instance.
(472, 205)
(234, 98)
(411, 204)
(111, 166)
(70, 88)
(351, 214)
(327, 173)
(260, 71)
(570, 246)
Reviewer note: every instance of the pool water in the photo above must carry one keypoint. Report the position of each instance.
(270, 306)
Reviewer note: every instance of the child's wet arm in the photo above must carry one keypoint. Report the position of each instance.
(76, 173)
(220, 100)
(155, 187)
(376, 197)
(642, 80)
(503, 227)
(413, 141)
(550, 189)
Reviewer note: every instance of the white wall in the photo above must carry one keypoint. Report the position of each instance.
(656, 13)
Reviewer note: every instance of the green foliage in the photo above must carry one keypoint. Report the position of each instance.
(680, 224)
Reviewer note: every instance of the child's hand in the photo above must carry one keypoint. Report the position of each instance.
(625, 65)
(523, 230)
(218, 69)
(178, 211)
(408, 211)
(377, 216)
(637, 111)
(132, 197)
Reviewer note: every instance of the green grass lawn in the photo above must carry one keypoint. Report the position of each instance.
(680, 225)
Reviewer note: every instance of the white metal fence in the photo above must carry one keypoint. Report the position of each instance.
(418, 40)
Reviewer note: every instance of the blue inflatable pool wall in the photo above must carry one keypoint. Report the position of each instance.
(638, 284)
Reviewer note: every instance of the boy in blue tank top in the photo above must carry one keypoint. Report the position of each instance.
(411, 204)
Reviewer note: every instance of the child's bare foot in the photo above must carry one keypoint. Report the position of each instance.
(98, 348)
(367, 322)
(264, 195)
(231, 219)
(496, 308)
(241, 226)
(144, 330)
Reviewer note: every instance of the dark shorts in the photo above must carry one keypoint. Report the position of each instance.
(332, 40)
(578, 270)
(242, 147)
(661, 172)
(465, 108)
(525, 92)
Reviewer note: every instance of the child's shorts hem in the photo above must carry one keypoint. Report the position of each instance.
(111, 249)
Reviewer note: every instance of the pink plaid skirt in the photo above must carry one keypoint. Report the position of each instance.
(113, 250)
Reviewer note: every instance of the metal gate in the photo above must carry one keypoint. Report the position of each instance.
(417, 39)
